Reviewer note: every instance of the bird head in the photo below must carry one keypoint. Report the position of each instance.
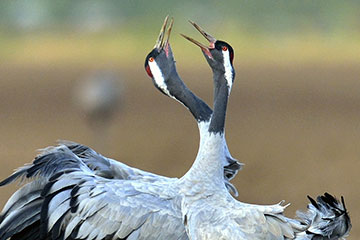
(160, 63)
(218, 54)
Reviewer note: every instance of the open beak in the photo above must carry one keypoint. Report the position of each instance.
(208, 37)
(163, 40)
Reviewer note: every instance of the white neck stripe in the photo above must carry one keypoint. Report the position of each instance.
(160, 81)
(228, 69)
(158, 77)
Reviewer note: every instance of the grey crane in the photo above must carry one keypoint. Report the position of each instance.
(75, 193)
(210, 212)
(99, 96)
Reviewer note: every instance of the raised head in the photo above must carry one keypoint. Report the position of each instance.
(160, 66)
(219, 55)
(160, 63)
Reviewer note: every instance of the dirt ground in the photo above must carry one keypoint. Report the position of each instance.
(296, 128)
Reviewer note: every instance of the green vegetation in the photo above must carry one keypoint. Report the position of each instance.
(272, 16)
(278, 31)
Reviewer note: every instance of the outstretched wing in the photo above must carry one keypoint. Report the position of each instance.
(68, 200)
(112, 169)
(268, 222)
(326, 218)
(82, 205)
(107, 167)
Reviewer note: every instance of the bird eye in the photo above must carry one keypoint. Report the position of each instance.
(151, 59)
(224, 48)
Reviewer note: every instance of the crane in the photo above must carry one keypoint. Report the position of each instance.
(163, 73)
(99, 96)
(210, 212)
(76, 193)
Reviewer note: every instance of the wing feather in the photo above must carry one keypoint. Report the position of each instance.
(75, 192)
(106, 207)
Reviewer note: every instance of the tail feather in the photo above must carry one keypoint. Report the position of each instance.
(326, 217)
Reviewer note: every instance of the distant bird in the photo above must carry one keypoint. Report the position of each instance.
(99, 97)
(210, 212)
(75, 193)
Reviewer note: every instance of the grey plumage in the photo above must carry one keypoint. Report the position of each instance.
(76, 193)
(74, 202)
(328, 218)
(84, 194)
(210, 212)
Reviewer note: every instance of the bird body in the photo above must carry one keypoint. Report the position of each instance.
(75, 193)
(210, 212)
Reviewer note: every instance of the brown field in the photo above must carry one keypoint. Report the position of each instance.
(297, 128)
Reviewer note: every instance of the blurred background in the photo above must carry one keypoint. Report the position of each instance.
(74, 70)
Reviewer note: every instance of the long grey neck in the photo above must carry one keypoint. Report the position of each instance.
(208, 166)
(221, 94)
(198, 108)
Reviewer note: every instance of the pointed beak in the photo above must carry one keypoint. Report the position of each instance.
(163, 39)
(208, 37)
